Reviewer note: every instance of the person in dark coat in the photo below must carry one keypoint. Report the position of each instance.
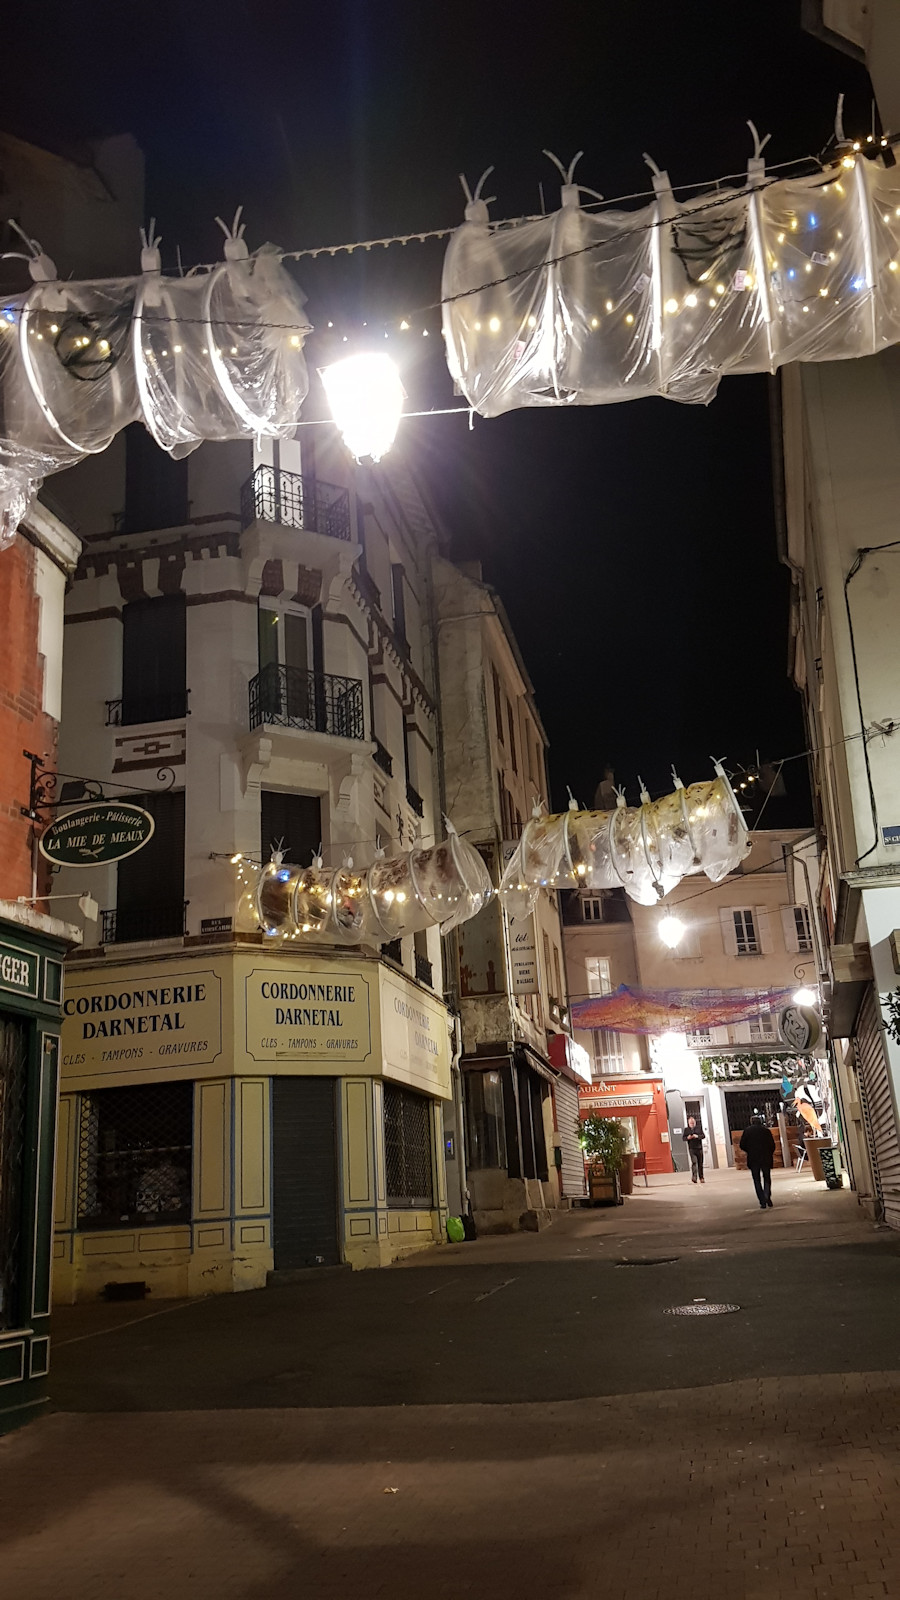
(693, 1138)
(758, 1146)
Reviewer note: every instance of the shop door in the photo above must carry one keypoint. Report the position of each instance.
(879, 1112)
(304, 1173)
(13, 1093)
(678, 1116)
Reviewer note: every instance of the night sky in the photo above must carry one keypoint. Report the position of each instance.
(633, 545)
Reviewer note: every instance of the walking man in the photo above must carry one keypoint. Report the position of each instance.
(758, 1146)
(693, 1138)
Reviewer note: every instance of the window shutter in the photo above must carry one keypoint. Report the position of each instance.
(789, 929)
(741, 1032)
(764, 930)
(729, 937)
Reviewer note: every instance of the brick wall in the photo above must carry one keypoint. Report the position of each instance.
(23, 725)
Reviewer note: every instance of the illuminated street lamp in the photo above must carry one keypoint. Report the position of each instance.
(366, 399)
(805, 997)
(672, 930)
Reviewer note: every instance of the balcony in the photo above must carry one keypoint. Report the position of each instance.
(288, 697)
(393, 951)
(415, 800)
(293, 501)
(162, 919)
(383, 759)
(424, 971)
(139, 708)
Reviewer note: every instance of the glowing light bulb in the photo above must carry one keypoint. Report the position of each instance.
(671, 306)
(824, 292)
(477, 327)
(532, 322)
(781, 238)
(609, 306)
(401, 896)
(720, 288)
(294, 341)
(672, 930)
(54, 327)
(629, 319)
(594, 322)
(236, 858)
(690, 300)
(805, 997)
(494, 324)
(892, 266)
(793, 224)
(389, 895)
(404, 326)
(177, 349)
(366, 399)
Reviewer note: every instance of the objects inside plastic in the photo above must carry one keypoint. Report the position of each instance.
(588, 308)
(644, 849)
(446, 884)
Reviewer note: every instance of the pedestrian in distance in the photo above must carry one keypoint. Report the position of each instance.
(693, 1138)
(758, 1146)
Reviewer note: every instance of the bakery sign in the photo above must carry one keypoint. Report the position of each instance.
(94, 835)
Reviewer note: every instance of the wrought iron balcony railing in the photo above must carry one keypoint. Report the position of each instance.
(134, 708)
(160, 919)
(293, 501)
(415, 800)
(383, 759)
(290, 698)
(393, 951)
(423, 970)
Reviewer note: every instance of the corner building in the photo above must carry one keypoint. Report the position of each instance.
(250, 661)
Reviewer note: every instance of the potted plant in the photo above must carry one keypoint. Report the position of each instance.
(604, 1142)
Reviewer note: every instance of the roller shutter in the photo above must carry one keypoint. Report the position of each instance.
(572, 1172)
(305, 1173)
(879, 1111)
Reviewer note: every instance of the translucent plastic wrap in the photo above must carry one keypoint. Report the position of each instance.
(590, 308)
(446, 885)
(644, 849)
(216, 355)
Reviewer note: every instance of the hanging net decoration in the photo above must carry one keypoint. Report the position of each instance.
(646, 849)
(215, 355)
(444, 885)
(656, 1011)
(582, 308)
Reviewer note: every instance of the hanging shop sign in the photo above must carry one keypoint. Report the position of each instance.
(94, 835)
(799, 1027)
(523, 955)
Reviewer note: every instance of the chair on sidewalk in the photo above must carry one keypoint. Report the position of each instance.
(640, 1167)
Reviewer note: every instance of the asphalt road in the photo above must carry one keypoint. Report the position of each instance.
(558, 1318)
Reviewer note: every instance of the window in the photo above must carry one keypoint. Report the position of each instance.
(154, 651)
(762, 1030)
(802, 928)
(592, 908)
(485, 1120)
(150, 883)
(699, 1038)
(745, 933)
(498, 704)
(156, 487)
(548, 978)
(292, 823)
(512, 735)
(134, 1156)
(560, 991)
(609, 1057)
(598, 975)
(407, 1147)
(398, 598)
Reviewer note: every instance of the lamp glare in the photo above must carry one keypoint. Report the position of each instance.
(366, 399)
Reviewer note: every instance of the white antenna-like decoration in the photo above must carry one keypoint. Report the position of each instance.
(573, 803)
(447, 823)
(318, 859)
(759, 144)
(235, 243)
(652, 165)
(379, 852)
(571, 190)
(277, 855)
(839, 133)
(675, 778)
(476, 204)
(620, 798)
(40, 266)
(645, 798)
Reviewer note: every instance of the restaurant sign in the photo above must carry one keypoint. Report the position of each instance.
(93, 835)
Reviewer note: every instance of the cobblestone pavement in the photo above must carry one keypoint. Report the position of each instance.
(751, 1455)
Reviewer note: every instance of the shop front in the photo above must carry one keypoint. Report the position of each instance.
(640, 1105)
(510, 1139)
(31, 972)
(226, 1113)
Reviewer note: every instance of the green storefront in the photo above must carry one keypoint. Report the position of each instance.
(31, 977)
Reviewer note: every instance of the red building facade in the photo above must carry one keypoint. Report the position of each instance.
(639, 1103)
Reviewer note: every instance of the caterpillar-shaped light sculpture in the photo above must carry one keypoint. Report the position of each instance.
(645, 850)
(444, 885)
(214, 355)
(589, 307)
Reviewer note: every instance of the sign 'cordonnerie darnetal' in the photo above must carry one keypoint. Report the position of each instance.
(93, 835)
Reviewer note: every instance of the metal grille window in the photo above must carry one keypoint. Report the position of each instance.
(407, 1147)
(134, 1156)
(13, 1078)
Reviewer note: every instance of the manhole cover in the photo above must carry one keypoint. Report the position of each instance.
(703, 1310)
(645, 1261)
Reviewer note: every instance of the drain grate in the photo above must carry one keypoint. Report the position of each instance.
(702, 1310)
(645, 1261)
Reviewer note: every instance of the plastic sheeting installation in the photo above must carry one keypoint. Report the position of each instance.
(584, 308)
(215, 355)
(444, 885)
(646, 849)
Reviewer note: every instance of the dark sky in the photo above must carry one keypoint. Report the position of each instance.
(633, 545)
